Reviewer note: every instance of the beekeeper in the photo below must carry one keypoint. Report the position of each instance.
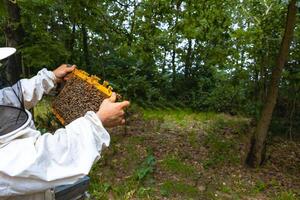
(31, 163)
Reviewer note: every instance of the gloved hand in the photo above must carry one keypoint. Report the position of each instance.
(62, 71)
(111, 113)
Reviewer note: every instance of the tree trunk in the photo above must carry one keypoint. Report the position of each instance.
(71, 44)
(14, 34)
(188, 60)
(257, 153)
(173, 64)
(174, 73)
(163, 68)
(85, 47)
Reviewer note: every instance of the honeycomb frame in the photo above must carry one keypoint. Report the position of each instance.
(81, 93)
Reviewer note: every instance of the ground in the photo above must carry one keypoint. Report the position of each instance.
(180, 154)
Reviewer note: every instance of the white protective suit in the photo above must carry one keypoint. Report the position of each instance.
(32, 163)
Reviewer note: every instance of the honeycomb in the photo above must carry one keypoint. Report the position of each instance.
(80, 94)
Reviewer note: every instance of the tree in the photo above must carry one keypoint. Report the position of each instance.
(206, 55)
(257, 152)
(14, 34)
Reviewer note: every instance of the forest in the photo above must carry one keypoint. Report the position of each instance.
(214, 89)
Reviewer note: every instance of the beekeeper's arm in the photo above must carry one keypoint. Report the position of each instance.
(34, 88)
(42, 83)
(35, 164)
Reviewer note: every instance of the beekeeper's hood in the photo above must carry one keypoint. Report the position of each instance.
(12, 112)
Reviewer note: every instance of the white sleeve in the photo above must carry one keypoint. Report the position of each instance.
(35, 87)
(32, 89)
(32, 165)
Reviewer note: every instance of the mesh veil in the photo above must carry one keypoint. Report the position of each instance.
(12, 111)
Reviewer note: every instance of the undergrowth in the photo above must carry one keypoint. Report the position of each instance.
(176, 154)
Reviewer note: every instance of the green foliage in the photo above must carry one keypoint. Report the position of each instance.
(132, 186)
(260, 186)
(45, 121)
(207, 56)
(146, 168)
(3, 10)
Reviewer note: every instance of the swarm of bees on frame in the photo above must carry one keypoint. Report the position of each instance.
(80, 94)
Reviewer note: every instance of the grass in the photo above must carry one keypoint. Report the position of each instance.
(178, 188)
(287, 195)
(174, 165)
(193, 139)
(179, 116)
(208, 121)
(221, 151)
